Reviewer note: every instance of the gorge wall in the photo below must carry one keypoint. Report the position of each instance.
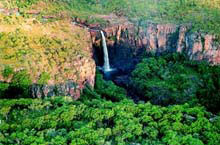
(66, 50)
(127, 41)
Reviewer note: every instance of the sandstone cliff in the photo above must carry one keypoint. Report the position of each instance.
(64, 49)
(133, 38)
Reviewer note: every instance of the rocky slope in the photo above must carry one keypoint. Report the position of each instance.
(56, 55)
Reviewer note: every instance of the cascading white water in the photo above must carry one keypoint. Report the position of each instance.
(106, 66)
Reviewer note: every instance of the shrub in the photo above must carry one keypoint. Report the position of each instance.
(7, 71)
(25, 3)
(3, 88)
(108, 89)
(19, 86)
(44, 78)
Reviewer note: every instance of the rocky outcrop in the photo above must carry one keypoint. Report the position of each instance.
(203, 47)
(68, 88)
(126, 38)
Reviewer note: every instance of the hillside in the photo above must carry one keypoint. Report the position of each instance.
(51, 53)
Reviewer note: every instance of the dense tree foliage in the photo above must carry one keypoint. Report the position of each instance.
(60, 120)
(173, 79)
(105, 116)
(108, 90)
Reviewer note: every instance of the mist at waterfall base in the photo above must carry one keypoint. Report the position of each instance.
(106, 69)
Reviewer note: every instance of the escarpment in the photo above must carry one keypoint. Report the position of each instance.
(67, 51)
(127, 41)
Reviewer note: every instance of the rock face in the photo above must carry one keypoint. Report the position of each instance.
(69, 88)
(126, 41)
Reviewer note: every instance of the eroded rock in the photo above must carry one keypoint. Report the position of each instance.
(159, 38)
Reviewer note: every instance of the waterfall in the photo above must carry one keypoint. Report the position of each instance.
(106, 66)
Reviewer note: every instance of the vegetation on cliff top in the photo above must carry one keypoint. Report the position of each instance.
(203, 15)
